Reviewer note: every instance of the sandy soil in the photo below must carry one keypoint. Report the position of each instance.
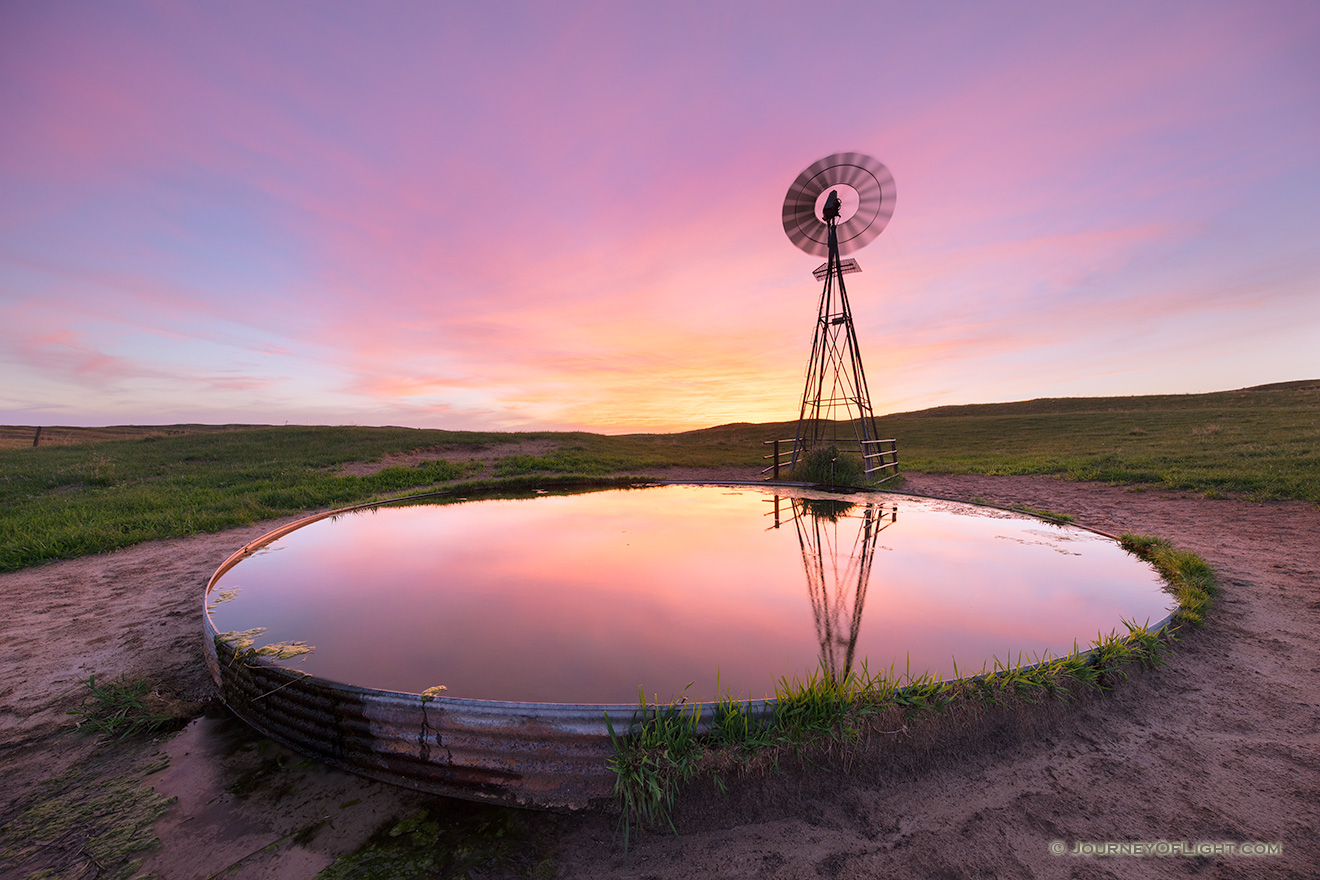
(1220, 745)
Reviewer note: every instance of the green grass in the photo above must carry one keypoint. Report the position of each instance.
(1190, 578)
(76, 499)
(652, 757)
(1263, 443)
(828, 466)
(98, 489)
(120, 709)
(1044, 514)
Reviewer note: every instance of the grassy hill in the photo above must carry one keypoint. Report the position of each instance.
(87, 490)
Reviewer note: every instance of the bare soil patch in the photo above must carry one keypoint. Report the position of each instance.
(449, 452)
(1222, 744)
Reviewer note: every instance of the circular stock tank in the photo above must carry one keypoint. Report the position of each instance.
(483, 649)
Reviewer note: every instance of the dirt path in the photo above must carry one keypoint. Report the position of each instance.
(1222, 744)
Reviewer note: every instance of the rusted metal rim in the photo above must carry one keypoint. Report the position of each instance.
(544, 755)
(552, 756)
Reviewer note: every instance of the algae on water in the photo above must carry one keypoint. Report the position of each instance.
(284, 650)
(223, 597)
(240, 640)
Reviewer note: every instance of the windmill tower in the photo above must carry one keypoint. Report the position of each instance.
(837, 205)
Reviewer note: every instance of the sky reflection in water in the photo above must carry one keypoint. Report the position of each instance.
(582, 598)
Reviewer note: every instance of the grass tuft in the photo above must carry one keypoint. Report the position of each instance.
(1191, 578)
(828, 466)
(121, 709)
(1044, 514)
(657, 752)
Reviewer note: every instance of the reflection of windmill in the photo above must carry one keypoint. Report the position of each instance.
(840, 203)
(837, 572)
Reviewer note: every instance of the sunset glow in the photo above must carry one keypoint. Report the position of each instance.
(566, 216)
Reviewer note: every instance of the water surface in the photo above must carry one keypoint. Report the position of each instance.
(583, 598)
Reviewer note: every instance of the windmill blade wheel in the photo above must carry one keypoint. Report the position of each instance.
(875, 193)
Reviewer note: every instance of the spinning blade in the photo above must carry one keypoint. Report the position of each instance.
(875, 190)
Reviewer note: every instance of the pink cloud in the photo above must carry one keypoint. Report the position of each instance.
(572, 216)
(64, 354)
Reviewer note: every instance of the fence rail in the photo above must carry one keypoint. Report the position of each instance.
(883, 455)
(777, 457)
(877, 456)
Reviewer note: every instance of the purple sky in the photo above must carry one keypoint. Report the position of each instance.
(567, 215)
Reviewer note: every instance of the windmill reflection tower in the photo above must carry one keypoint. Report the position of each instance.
(838, 572)
(838, 205)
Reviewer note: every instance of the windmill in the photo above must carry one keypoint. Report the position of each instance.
(838, 205)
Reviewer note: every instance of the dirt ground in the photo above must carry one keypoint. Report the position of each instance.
(1220, 746)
